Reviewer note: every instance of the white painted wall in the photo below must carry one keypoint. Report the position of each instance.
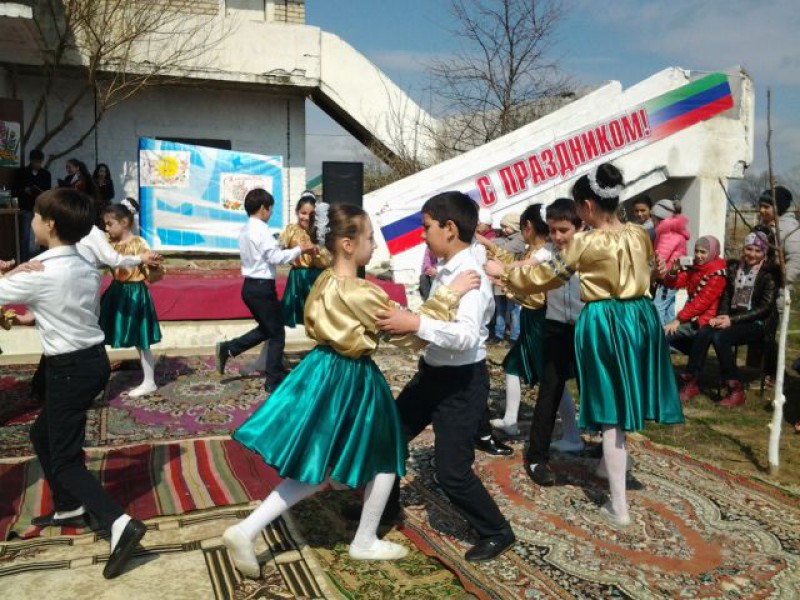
(254, 122)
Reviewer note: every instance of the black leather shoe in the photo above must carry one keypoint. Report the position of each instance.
(541, 475)
(392, 514)
(494, 447)
(131, 536)
(489, 548)
(51, 521)
(223, 354)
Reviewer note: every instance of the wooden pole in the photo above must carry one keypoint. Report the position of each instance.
(784, 300)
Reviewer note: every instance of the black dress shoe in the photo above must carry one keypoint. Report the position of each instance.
(541, 474)
(271, 386)
(131, 536)
(494, 447)
(223, 354)
(50, 520)
(489, 548)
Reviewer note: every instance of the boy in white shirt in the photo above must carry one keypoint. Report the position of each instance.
(63, 298)
(260, 253)
(451, 387)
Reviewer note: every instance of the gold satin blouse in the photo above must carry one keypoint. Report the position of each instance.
(134, 247)
(341, 312)
(531, 301)
(610, 264)
(293, 236)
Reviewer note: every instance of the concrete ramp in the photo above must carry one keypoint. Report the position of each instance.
(674, 134)
(365, 102)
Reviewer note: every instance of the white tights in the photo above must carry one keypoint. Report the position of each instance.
(290, 492)
(615, 457)
(148, 367)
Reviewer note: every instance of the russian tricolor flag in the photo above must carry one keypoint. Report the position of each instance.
(403, 234)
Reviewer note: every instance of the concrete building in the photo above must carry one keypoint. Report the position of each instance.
(245, 92)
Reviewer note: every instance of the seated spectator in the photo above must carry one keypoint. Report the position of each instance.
(670, 246)
(747, 314)
(704, 281)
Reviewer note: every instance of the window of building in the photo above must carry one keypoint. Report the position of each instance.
(208, 143)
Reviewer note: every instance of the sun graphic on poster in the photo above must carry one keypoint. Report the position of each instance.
(168, 167)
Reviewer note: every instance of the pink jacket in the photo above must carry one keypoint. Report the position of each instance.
(671, 238)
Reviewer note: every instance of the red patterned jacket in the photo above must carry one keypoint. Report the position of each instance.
(705, 285)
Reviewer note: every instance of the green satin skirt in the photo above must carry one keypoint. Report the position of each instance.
(293, 303)
(525, 359)
(128, 317)
(331, 414)
(624, 368)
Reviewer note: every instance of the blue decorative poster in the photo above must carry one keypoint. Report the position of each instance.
(192, 197)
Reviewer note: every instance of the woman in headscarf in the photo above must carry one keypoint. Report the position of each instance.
(747, 314)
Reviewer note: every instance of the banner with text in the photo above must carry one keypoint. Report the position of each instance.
(552, 164)
(192, 197)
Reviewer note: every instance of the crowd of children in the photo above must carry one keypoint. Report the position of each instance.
(596, 301)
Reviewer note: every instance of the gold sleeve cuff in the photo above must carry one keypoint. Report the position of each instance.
(442, 305)
(6, 318)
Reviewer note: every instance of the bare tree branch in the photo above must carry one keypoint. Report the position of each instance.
(118, 48)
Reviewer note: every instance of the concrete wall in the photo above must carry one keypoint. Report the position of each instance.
(253, 121)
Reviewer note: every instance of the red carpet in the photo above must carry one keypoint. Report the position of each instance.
(215, 297)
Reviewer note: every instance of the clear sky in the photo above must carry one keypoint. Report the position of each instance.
(626, 40)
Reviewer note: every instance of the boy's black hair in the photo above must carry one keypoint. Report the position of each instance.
(643, 199)
(71, 211)
(257, 198)
(564, 209)
(533, 215)
(456, 207)
(35, 155)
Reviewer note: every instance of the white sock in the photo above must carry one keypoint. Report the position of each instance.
(569, 419)
(68, 514)
(513, 398)
(117, 527)
(148, 368)
(615, 457)
(375, 498)
(288, 493)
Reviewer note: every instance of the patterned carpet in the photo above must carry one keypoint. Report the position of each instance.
(192, 401)
(697, 532)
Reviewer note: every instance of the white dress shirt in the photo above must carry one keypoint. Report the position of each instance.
(260, 251)
(96, 249)
(463, 341)
(564, 304)
(64, 298)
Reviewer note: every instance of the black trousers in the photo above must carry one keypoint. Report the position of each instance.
(454, 400)
(723, 341)
(72, 382)
(260, 296)
(559, 366)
